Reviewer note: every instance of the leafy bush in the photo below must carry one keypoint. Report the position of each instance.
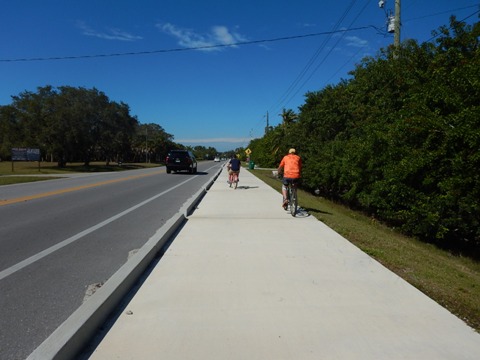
(400, 139)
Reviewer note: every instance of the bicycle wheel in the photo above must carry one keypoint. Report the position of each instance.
(293, 200)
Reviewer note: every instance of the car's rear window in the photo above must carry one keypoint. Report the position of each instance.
(178, 154)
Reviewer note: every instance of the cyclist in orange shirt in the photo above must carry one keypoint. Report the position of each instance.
(292, 170)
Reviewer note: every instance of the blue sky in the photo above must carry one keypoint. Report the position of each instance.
(181, 74)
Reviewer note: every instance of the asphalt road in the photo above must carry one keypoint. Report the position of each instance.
(60, 239)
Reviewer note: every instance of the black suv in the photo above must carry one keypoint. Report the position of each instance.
(178, 160)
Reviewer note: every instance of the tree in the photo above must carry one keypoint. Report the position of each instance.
(9, 131)
(288, 117)
(115, 133)
(151, 143)
(72, 124)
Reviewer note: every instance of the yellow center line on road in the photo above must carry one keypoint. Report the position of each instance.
(72, 189)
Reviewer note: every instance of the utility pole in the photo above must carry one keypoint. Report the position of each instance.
(393, 23)
(396, 36)
(267, 128)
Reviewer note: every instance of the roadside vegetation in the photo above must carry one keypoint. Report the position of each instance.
(399, 140)
(452, 281)
(69, 124)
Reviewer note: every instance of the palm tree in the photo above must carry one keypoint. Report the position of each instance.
(288, 117)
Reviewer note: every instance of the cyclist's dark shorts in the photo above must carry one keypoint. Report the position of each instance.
(287, 181)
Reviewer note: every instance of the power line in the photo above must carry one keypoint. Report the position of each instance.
(441, 13)
(450, 28)
(206, 47)
(392, 79)
(290, 89)
(286, 94)
(346, 63)
(326, 56)
(284, 97)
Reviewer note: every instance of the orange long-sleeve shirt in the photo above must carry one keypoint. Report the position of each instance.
(292, 166)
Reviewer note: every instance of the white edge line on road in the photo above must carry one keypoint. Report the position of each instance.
(32, 259)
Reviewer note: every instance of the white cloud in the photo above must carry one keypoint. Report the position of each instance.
(218, 35)
(308, 25)
(222, 34)
(356, 41)
(111, 34)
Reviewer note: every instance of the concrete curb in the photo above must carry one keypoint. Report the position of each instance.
(75, 333)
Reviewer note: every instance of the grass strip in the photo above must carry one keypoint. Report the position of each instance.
(451, 281)
(34, 168)
(9, 180)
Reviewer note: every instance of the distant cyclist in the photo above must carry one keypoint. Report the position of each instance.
(292, 170)
(233, 166)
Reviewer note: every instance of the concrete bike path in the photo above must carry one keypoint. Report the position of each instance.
(245, 280)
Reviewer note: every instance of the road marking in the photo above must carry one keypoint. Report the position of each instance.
(77, 188)
(22, 264)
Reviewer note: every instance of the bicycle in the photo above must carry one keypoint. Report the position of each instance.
(233, 179)
(292, 199)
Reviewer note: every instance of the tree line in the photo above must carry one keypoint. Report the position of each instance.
(399, 140)
(70, 124)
